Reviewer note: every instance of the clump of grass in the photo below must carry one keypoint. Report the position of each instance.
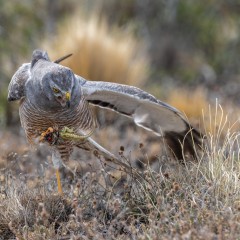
(99, 52)
(31, 213)
(198, 200)
(194, 200)
(222, 154)
(196, 106)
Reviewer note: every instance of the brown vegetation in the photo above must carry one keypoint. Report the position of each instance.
(100, 52)
(197, 200)
(169, 200)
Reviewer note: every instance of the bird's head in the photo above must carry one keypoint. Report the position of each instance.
(51, 86)
(60, 87)
(54, 86)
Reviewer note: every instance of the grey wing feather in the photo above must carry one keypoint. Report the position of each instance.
(146, 111)
(16, 89)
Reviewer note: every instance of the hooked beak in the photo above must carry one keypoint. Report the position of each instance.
(68, 98)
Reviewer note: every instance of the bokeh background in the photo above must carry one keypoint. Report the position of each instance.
(184, 52)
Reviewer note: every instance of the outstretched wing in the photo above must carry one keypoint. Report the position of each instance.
(146, 111)
(17, 84)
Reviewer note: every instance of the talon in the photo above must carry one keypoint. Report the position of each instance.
(46, 134)
(49, 130)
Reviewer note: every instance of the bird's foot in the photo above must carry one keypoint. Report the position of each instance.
(51, 136)
(46, 134)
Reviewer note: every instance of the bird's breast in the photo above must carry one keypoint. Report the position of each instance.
(36, 120)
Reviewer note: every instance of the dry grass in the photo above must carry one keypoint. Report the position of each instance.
(203, 115)
(99, 52)
(199, 200)
(221, 149)
(190, 103)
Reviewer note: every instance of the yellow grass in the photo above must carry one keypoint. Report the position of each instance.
(99, 52)
(203, 114)
(192, 201)
(191, 103)
(220, 155)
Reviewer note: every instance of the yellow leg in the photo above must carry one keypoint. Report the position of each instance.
(59, 182)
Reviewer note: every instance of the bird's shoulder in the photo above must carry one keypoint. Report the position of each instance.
(16, 89)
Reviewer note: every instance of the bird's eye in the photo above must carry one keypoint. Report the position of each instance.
(56, 90)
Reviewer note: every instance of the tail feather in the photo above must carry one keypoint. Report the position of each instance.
(187, 142)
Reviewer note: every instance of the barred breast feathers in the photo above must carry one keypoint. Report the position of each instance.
(35, 120)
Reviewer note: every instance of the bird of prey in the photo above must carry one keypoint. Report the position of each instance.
(51, 95)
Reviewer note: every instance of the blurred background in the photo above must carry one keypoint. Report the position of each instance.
(182, 51)
(185, 53)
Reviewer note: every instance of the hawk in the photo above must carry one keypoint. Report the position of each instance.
(51, 95)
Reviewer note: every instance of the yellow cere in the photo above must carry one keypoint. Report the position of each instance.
(67, 95)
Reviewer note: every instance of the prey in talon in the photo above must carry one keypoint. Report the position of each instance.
(68, 134)
(50, 136)
(54, 136)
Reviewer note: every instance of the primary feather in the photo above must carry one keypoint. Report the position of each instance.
(146, 111)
